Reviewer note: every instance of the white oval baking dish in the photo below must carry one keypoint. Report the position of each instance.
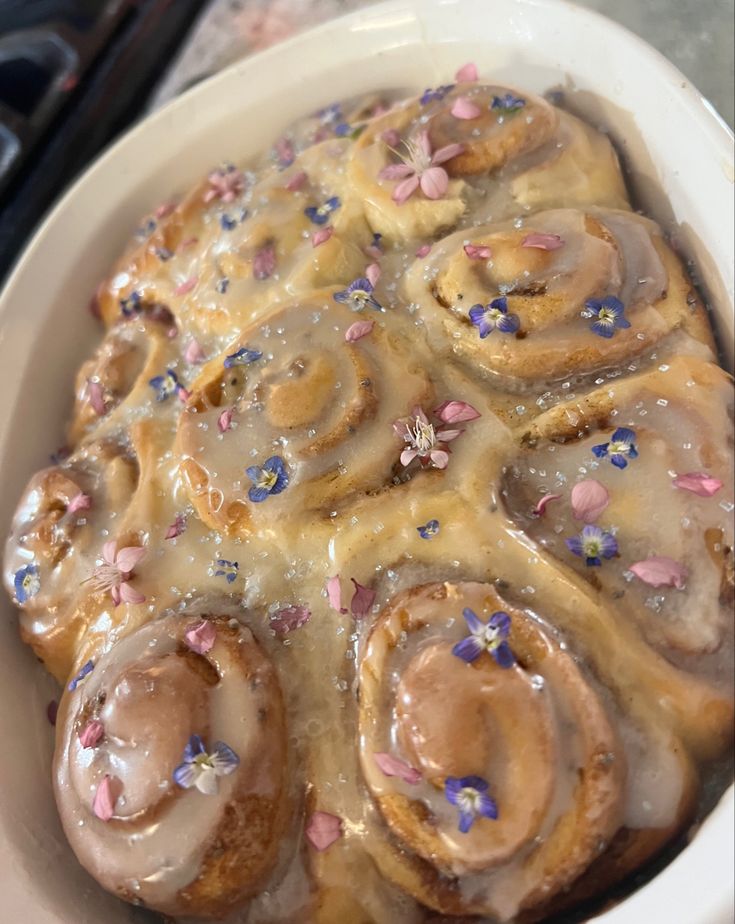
(679, 157)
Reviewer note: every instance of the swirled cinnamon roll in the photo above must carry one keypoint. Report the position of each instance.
(556, 294)
(272, 426)
(630, 486)
(169, 766)
(493, 757)
(480, 150)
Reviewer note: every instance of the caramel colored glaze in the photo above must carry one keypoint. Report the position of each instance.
(645, 677)
(176, 850)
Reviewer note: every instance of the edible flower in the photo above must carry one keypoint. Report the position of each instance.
(319, 215)
(201, 769)
(486, 318)
(542, 241)
(593, 544)
(91, 734)
(491, 636)
(394, 766)
(166, 385)
(79, 502)
(507, 104)
(321, 236)
(289, 618)
(589, 498)
(435, 95)
(699, 483)
(477, 251)
(423, 441)
(609, 312)
(194, 353)
(358, 330)
(186, 286)
(131, 304)
(464, 108)
(243, 357)
(428, 530)
(107, 794)
(620, 449)
(540, 509)
(84, 671)
(362, 599)
(323, 829)
(467, 73)
(224, 421)
(226, 569)
(375, 248)
(115, 571)
(271, 478)
(420, 168)
(200, 636)
(176, 528)
(284, 152)
(26, 583)
(225, 183)
(470, 795)
(264, 262)
(660, 571)
(358, 295)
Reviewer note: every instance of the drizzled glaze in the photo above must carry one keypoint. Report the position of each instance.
(351, 509)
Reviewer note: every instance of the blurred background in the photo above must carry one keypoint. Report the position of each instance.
(74, 74)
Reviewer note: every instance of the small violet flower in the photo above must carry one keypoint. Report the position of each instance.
(226, 569)
(593, 544)
(166, 385)
(420, 168)
(132, 304)
(115, 571)
(319, 215)
(491, 636)
(201, 769)
(470, 795)
(243, 357)
(358, 295)
(26, 583)
(428, 530)
(508, 104)
(620, 449)
(486, 318)
(609, 314)
(226, 184)
(84, 671)
(435, 95)
(271, 478)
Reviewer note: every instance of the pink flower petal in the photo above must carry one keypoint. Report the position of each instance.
(296, 181)
(109, 552)
(372, 251)
(106, 796)
(699, 483)
(372, 273)
(128, 594)
(464, 108)
(224, 421)
(115, 594)
(467, 73)
(408, 455)
(456, 412)
(91, 734)
(391, 137)
(439, 458)
(200, 637)
(477, 252)
(284, 151)
(396, 172)
(264, 262)
(334, 594)
(589, 498)
(542, 241)
(183, 394)
(96, 398)
(540, 507)
(446, 153)
(362, 600)
(79, 502)
(186, 286)
(434, 182)
(423, 250)
(321, 236)
(323, 829)
(128, 558)
(164, 209)
(194, 353)
(394, 766)
(424, 143)
(446, 436)
(176, 528)
(188, 242)
(405, 189)
(290, 618)
(358, 330)
(660, 571)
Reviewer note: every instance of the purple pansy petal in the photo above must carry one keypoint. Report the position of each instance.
(224, 759)
(501, 622)
(487, 807)
(603, 329)
(600, 451)
(194, 747)
(574, 544)
(466, 820)
(469, 649)
(452, 787)
(508, 324)
(474, 623)
(243, 357)
(504, 655)
(185, 775)
(477, 312)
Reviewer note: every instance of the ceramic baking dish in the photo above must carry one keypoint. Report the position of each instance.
(678, 155)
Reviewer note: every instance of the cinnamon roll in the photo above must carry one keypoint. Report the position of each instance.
(493, 758)
(169, 766)
(556, 294)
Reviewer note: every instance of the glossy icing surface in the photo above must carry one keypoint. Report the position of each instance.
(234, 338)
